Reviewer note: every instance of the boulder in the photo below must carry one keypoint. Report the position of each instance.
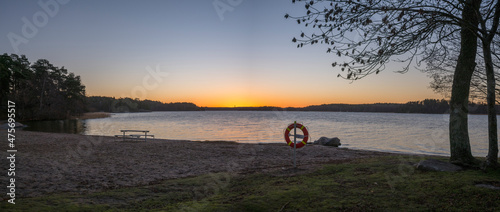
(321, 140)
(437, 165)
(335, 142)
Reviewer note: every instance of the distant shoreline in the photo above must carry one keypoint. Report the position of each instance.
(93, 115)
(299, 110)
(436, 107)
(427, 106)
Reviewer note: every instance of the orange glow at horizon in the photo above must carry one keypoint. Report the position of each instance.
(274, 100)
(237, 89)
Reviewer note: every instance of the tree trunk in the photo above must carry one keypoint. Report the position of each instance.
(459, 135)
(492, 157)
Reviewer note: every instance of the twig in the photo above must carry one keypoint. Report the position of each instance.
(283, 207)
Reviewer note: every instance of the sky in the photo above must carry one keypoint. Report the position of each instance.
(214, 53)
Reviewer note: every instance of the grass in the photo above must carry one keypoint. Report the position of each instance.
(383, 183)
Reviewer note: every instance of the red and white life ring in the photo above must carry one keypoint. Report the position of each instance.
(298, 144)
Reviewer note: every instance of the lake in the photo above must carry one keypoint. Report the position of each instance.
(389, 132)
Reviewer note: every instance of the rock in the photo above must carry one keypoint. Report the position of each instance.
(437, 165)
(321, 141)
(335, 142)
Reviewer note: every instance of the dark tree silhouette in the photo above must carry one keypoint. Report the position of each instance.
(440, 69)
(367, 34)
(485, 76)
(40, 90)
(487, 32)
(110, 104)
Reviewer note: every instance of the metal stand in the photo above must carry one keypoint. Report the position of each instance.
(294, 143)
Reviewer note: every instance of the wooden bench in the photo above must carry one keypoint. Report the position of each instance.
(134, 136)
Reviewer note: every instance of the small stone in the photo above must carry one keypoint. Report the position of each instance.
(488, 186)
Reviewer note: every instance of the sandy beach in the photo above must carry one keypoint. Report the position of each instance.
(51, 163)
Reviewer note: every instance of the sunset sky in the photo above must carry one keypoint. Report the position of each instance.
(188, 51)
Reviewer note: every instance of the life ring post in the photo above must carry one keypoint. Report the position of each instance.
(294, 144)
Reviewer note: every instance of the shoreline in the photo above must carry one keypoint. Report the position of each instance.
(56, 162)
(93, 115)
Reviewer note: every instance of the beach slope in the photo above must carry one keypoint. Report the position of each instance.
(55, 162)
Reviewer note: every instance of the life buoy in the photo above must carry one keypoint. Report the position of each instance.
(298, 144)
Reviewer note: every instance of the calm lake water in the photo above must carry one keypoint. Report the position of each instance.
(390, 132)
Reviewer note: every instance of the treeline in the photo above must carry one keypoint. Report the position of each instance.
(434, 106)
(378, 107)
(40, 90)
(121, 105)
(426, 106)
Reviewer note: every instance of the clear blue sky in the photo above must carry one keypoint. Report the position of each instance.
(189, 51)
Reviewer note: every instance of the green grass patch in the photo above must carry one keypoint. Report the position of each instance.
(382, 183)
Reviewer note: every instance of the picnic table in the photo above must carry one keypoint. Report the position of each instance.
(134, 136)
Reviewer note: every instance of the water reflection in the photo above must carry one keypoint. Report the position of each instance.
(59, 126)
